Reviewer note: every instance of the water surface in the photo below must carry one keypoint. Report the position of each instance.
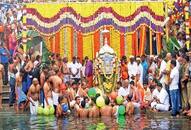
(12, 121)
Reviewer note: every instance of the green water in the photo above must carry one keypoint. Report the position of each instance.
(12, 121)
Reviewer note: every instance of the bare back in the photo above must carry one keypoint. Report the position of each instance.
(106, 111)
(57, 82)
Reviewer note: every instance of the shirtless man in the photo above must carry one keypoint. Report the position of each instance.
(33, 95)
(106, 110)
(65, 70)
(130, 106)
(48, 101)
(136, 98)
(83, 112)
(82, 89)
(42, 81)
(28, 68)
(1, 83)
(20, 95)
(56, 85)
(94, 111)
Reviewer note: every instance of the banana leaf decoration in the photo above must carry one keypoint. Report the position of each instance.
(172, 45)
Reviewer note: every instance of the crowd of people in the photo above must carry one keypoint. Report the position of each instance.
(160, 83)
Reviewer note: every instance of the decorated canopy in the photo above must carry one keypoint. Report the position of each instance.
(74, 28)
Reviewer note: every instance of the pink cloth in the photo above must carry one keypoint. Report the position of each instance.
(12, 42)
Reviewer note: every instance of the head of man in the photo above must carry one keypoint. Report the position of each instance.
(173, 64)
(45, 69)
(159, 87)
(132, 84)
(65, 60)
(138, 59)
(185, 59)
(78, 59)
(35, 81)
(125, 83)
(86, 59)
(179, 36)
(74, 60)
(145, 84)
(107, 101)
(22, 72)
(168, 56)
(151, 58)
(143, 58)
(74, 85)
(131, 58)
(77, 99)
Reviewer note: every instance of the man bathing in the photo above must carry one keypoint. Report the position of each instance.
(56, 85)
(107, 109)
(34, 95)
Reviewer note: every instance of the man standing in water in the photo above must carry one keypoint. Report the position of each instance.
(29, 68)
(1, 83)
(12, 76)
(42, 82)
(47, 92)
(56, 85)
(20, 95)
(33, 95)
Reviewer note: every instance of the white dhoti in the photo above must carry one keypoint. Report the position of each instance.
(66, 78)
(33, 107)
(160, 107)
(55, 98)
(50, 102)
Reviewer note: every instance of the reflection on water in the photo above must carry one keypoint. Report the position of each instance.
(9, 121)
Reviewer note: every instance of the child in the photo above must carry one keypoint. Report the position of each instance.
(129, 106)
(63, 107)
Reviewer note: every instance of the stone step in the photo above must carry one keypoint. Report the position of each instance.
(5, 94)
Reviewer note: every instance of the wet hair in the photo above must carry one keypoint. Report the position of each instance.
(95, 98)
(132, 83)
(107, 101)
(83, 103)
(173, 62)
(60, 98)
(129, 97)
(38, 57)
(173, 55)
(22, 70)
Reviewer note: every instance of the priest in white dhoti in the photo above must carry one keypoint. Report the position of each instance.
(139, 71)
(132, 68)
(161, 101)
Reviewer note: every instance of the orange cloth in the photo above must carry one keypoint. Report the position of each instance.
(141, 90)
(124, 71)
(90, 81)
